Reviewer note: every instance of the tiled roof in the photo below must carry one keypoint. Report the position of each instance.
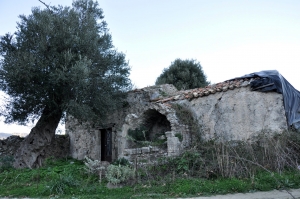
(208, 90)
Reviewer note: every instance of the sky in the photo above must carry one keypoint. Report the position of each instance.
(229, 38)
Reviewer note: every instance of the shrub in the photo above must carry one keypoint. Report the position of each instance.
(62, 185)
(93, 166)
(186, 117)
(6, 163)
(183, 74)
(229, 159)
(121, 161)
(117, 174)
(139, 134)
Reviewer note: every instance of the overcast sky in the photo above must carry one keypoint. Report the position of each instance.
(229, 38)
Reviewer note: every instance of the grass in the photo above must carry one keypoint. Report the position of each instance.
(209, 168)
(67, 179)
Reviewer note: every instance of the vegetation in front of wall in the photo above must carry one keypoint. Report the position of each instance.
(121, 161)
(179, 135)
(187, 118)
(213, 167)
(68, 179)
(139, 134)
(233, 159)
(163, 93)
(92, 166)
(116, 174)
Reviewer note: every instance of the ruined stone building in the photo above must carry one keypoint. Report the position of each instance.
(161, 121)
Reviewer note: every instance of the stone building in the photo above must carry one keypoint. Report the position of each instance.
(151, 126)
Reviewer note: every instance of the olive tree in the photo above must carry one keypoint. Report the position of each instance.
(60, 60)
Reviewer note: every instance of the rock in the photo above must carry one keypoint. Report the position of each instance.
(195, 94)
(162, 137)
(155, 149)
(145, 149)
(155, 96)
(190, 95)
(169, 134)
(177, 97)
(212, 91)
(206, 93)
(173, 146)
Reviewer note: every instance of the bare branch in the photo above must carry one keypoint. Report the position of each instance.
(45, 4)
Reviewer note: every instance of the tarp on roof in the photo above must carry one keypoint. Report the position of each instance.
(272, 80)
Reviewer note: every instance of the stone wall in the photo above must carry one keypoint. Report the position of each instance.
(238, 114)
(58, 149)
(85, 138)
(229, 111)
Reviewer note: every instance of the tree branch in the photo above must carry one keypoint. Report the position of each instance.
(45, 4)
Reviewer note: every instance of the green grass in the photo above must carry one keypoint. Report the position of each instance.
(68, 179)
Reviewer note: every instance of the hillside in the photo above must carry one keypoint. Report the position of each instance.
(4, 135)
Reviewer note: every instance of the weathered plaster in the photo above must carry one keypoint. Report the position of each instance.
(229, 111)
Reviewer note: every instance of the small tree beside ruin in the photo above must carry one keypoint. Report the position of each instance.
(183, 74)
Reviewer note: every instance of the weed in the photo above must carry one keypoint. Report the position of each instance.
(139, 134)
(67, 179)
(121, 161)
(179, 135)
(213, 167)
(117, 174)
(187, 118)
(93, 166)
(64, 184)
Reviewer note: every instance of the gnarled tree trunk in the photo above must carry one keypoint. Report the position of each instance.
(32, 150)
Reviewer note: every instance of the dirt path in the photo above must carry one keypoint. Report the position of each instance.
(275, 194)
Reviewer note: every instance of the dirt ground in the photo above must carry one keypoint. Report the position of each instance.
(275, 194)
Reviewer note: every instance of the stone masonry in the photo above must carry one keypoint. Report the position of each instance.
(228, 110)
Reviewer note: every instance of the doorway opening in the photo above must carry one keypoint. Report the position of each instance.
(106, 144)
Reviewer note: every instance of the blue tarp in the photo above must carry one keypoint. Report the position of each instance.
(272, 80)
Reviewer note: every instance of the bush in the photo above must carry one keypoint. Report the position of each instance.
(229, 159)
(183, 74)
(62, 185)
(93, 166)
(6, 163)
(186, 117)
(121, 161)
(117, 174)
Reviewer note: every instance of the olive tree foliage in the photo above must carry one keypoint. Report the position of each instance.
(183, 74)
(62, 59)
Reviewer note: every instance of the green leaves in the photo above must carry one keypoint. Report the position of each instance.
(183, 74)
(62, 58)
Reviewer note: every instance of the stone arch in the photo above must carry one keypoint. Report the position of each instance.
(161, 118)
(155, 123)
